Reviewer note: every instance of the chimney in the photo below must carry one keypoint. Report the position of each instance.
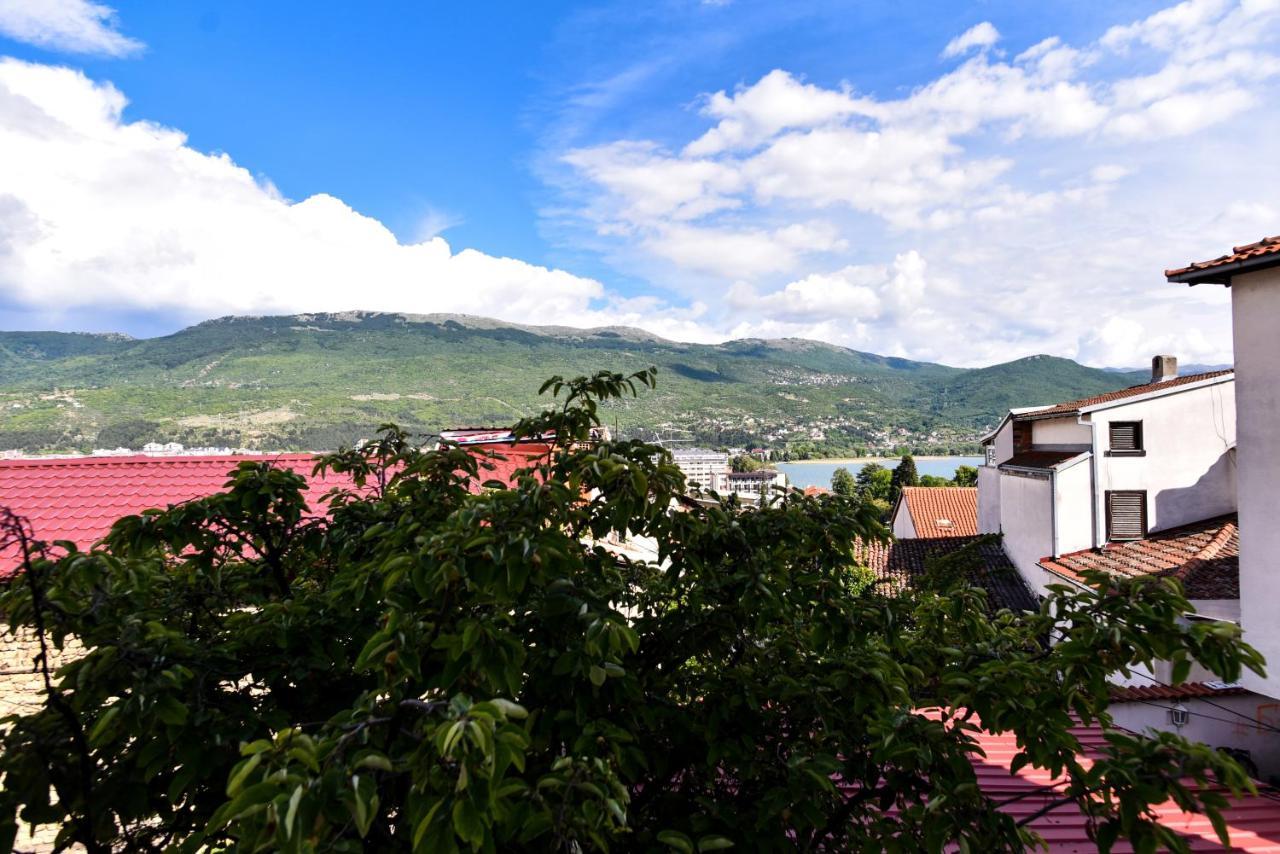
(1163, 368)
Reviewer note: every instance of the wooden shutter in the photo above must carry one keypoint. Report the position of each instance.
(1126, 515)
(1126, 435)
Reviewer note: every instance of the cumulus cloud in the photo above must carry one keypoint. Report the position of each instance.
(73, 26)
(98, 211)
(981, 35)
(1006, 173)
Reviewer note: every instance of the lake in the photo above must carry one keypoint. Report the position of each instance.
(818, 472)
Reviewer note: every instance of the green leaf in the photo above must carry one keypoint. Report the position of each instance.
(240, 773)
(714, 843)
(171, 712)
(598, 675)
(677, 840)
(467, 823)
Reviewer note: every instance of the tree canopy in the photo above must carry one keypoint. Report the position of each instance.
(842, 483)
(423, 668)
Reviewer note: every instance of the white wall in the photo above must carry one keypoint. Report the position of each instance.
(1060, 431)
(988, 500)
(903, 527)
(1236, 725)
(1188, 471)
(1255, 311)
(1004, 442)
(1073, 503)
(1028, 528)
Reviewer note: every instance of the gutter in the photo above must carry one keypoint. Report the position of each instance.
(1053, 511)
(1221, 274)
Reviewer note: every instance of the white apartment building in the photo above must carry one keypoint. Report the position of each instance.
(751, 485)
(1252, 272)
(1113, 468)
(701, 466)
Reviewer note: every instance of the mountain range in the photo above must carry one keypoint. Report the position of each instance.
(317, 381)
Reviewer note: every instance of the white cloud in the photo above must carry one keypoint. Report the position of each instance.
(97, 211)
(73, 26)
(1042, 186)
(981, 35)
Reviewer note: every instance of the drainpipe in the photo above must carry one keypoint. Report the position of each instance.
(1053, 510)
(1093, 478)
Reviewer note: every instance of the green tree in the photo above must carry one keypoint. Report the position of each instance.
(425, 668)
(842, 483)
(966, 476)
(874, 482)
(934, 480)
(903, 475)
(745, 462)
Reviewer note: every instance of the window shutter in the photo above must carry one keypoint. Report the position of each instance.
(1126, 515)
(1125, 436)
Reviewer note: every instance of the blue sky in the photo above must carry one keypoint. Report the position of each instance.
(965, 183)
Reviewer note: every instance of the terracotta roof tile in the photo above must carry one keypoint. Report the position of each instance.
(1185, 691)
(1204, 556)
(942, 511)
(1263, 248)
(1073, 406)
(900, 562)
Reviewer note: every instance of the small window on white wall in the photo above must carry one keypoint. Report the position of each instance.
(1126, 514)
(991, 454)
(1125, 437)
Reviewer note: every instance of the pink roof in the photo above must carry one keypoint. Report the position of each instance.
(942, 511)
(79, 498)
(1254, 821)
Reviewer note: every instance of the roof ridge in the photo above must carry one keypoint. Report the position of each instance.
(106, 461)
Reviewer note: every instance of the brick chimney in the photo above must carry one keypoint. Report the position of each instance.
(1163, 368)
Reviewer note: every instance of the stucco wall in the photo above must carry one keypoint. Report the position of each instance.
(1074, 505)
(1233, 721)
(1028, 528)
(1004, 442)
(1061, 431)
(1255, 310)
(988, 500)
(903, 527)
(1189, 471)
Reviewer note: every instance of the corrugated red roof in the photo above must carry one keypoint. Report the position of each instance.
(942, 511)
(79, 498)
(1204, 556)
(1267, 246)
(1185, 691)
(1074, 406)
(1253, 821)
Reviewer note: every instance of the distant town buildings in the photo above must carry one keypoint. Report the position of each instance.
(701, 466)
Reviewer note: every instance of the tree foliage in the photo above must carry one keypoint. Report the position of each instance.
(842, 483)
(904, 474)
(966, 476)
(423, 668)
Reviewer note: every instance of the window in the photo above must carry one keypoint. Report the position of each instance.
(991, 454)
(1126, 514)
(1126, 438)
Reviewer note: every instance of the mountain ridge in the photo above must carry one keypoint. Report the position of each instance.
(313, 381)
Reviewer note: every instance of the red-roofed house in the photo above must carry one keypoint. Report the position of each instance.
(933, 512)
(1252, 272)
(1112, 468)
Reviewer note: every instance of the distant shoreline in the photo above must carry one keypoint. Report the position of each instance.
(829, 460)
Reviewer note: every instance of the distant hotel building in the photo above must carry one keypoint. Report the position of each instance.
(702, 466)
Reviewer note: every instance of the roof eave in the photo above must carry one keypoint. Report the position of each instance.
(1221, 274)
(1157, 392)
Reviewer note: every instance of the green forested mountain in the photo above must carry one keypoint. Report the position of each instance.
(316, 381)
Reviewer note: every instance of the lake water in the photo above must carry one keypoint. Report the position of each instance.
(818, 472)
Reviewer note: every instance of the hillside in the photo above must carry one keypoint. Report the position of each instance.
(312, 382)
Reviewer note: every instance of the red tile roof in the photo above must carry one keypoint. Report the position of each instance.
(942, 511)
(811, 491)
(1204, 556)
(1039, 459)
(1072, 407)
(1185, 691)
(1253, 821)
(79, 498)
(1266, 249)
(897, 564)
